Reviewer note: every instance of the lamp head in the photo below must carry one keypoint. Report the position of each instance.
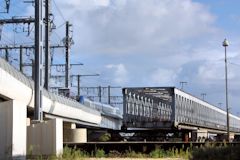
(225, 43)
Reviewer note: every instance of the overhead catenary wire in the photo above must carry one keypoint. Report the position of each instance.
(235, 64)
(59, 11)
(61, 25)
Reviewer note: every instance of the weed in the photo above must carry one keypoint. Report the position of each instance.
(100, 153)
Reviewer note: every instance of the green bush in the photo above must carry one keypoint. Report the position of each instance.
(171, 152)
(100, 153)
(157, 153)
(105, 137)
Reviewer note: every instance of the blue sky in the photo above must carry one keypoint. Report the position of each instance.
(227, 13)
(151, 43)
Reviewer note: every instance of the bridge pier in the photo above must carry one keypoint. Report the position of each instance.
(13, 132)
(199, 135)
(231, 136)
(73, 134)
(45, 138)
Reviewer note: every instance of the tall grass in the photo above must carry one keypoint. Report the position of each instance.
(73, 153)
(211, 152)
(171, 153)
(206, 152)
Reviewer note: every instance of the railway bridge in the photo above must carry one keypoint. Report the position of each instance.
(168, 109)
(65, 120)
(147, 111)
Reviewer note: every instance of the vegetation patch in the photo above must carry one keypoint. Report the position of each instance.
(205, 152)
(216, 153)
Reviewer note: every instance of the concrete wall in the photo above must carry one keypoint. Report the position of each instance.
(12, 130)
(45, 138)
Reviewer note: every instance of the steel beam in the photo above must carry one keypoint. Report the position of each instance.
(17, 20)
(47, 46)
(38, 86)
(28, 47)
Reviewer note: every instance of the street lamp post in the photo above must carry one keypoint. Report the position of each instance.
(225, 45)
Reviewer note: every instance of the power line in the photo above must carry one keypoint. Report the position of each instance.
(59, 11)
(234, 64)
(7, 38)
(57, 35)
(61, 25)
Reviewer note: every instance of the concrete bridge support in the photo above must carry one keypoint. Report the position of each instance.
(200, 135)
(13, 133)
(45, 138)
(73, 134)
(231, 136)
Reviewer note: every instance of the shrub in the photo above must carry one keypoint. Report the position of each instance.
(100, 153)
(105, 137)
(157, 153)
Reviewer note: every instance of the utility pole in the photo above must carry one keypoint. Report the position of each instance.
(38, 86)
(7, 2)
(33, 69)
(203, 96)
(67, 45)
(47, 46)
(182, 84)
(100, 93)
(78, 85)
(7, 6)
(21, 59)
(6, 55)
(109, 94)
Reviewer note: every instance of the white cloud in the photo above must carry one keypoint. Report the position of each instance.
(163, 77)
(120, 73)
(133, 26)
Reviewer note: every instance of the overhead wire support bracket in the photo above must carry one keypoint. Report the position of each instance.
(28, 47)
(17, 20)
